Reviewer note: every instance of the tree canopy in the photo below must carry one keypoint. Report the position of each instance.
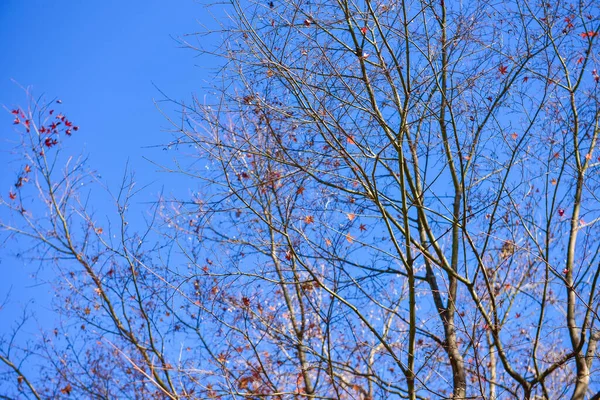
(388, 199)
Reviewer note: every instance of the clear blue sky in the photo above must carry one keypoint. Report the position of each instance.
(102, 58)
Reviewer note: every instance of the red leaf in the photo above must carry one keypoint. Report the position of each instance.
(17, 121)
(363, 30)
(12, 195)
(362, 227)
(569, 23)
(307, 22)
(561, 212)
(588, 34)
(15, 112)
(503, 69)
(75, 128)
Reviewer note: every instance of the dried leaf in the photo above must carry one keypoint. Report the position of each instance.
(67, 389)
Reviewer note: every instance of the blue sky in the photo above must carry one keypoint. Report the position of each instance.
(104, 60)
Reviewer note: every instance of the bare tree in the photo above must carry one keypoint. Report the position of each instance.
(390, 200)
